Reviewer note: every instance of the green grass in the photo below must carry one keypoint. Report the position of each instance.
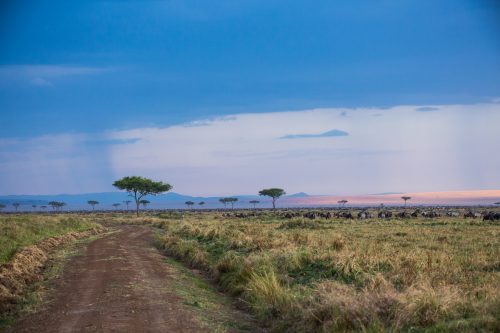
(212, 309)
(18, 231)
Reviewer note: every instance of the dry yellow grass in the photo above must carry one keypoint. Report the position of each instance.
(439, 275)
(26, 241)
(338, 275)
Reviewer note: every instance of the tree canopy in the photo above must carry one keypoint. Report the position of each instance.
(57, 205)
(144, 202)
(274, 193)
(254, 202)
(225, 201)
(138, 187)
(405, 198)
(232, 201)
(127, 202)
(93, 203)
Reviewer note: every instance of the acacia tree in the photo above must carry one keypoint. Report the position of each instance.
(254, 203)
(405, 198)
(57, 205)
(497, 203)
(201, 203)
(53, 204)
(189, 204)
(138, 187)
(231, 201)
(93, 203)
(16, 205)
(34, 207)
(116, 205)
(127, 202)
(342, 202)
(223, 201)
(274, 193)
(144, 203)
(2, 206)
(43, 207)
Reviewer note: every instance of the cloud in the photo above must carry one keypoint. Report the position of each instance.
(48, 70)
(44, 75)
(241, 153)
(208, 122)
(105, 141)
(331, 133)
(41, 82)
(426, 109)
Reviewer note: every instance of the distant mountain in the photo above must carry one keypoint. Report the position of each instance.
(298, 195)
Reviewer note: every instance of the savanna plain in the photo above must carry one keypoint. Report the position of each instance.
(289, 272)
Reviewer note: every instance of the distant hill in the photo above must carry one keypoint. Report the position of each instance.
(298, 195)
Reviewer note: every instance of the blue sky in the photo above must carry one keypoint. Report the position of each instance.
(88, 71)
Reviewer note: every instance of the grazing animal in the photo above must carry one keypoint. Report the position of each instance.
(471, 214)
(310, 215)
(404, 215)
(430, 214)
(346, 215)
(364, 215)
(491, 216)
(385, 214)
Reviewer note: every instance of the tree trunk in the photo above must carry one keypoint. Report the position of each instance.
(274, 203)
(137, 207)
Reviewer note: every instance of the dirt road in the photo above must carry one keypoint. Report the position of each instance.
(120, 284)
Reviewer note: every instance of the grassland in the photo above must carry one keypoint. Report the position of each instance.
(325, 275)
(18, 231)
(418, 275)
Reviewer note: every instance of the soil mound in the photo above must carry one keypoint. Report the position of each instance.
(27, 264)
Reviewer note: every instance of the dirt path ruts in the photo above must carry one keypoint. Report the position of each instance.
(120, 284)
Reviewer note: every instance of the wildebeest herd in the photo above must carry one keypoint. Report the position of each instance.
(368, 214)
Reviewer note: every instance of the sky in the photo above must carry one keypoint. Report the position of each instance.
(229, 97)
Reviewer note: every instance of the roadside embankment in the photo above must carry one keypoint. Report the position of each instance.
(25, 265)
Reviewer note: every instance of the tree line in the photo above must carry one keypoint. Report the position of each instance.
(139, 187)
